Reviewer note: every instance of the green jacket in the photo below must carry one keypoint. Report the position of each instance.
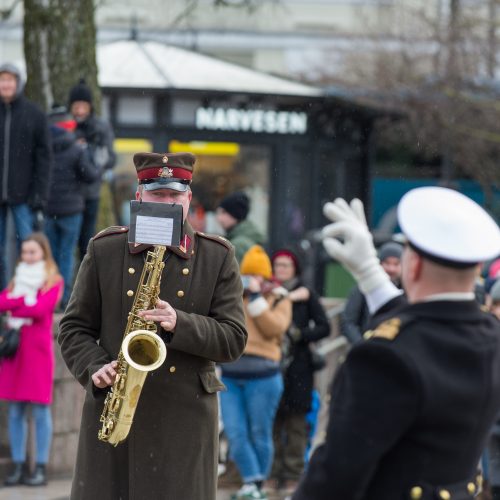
(171, 450)
(243, 236)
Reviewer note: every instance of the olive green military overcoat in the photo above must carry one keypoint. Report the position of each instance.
(171, 451)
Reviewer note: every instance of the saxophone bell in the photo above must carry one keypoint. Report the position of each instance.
(144, 350)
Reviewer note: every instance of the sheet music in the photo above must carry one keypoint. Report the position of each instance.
(154, 230)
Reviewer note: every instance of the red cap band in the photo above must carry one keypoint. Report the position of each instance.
(164, 173)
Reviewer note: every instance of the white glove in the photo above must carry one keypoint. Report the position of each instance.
(357, 252)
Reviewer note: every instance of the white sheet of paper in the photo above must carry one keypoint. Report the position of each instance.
(154, 230)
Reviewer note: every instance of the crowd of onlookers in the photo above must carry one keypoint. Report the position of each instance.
(52, 166)
(266, 410)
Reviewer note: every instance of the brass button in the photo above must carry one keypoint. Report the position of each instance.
(471, 488)
(172, 369)
(444, 494)
(185, 271)
(130, 293)
(416, 492)
(180, 293)
(131, 270)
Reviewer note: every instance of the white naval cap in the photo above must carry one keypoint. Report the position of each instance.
(447, 226)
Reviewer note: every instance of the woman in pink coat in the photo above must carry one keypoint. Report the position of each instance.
(27, 378)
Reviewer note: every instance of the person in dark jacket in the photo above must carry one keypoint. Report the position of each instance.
(309, 324)
(98, 135)
(232, 214)
(73, 169)
(412, 406)
(355, 318)
(25, 159)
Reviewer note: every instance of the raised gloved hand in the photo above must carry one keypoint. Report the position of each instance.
(357, 252)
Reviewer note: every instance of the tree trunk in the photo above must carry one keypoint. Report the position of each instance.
(59, 48)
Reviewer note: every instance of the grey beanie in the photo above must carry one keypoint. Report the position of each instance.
(390, 249)
(13, 70)
(10, 68)
(495, 291)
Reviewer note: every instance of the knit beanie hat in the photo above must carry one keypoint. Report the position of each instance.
(495, 291)
(285, 252)
(236, 204)
(390, 249)
(256, 262)
(80, 92)
(13, 70)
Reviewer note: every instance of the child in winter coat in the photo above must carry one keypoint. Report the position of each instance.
(27, 378)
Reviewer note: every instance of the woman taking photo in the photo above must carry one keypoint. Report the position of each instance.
(291, 430)
(26, 378)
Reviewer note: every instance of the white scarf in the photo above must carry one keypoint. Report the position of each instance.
(28, 279)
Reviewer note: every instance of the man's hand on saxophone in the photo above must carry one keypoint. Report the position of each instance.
(164, 314)
(105, 376)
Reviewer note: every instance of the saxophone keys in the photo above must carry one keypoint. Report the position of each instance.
(115, 405)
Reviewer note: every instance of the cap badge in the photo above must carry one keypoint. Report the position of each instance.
(165, 159)
(165, 172)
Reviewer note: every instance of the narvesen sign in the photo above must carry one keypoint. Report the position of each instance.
(251, 120)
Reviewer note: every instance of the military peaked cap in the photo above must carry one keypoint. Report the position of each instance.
(164, 170)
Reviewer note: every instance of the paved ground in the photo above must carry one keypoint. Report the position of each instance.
(59, 490)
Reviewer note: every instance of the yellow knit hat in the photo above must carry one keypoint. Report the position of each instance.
(256, 262)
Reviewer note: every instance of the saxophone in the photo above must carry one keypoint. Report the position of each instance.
(142, 350)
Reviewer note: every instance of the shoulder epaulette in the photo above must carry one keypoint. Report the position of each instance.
(387, 330)
(215, 237)
(111, 230)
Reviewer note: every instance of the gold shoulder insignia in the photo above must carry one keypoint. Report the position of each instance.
(111, 230)
(368, 334)
(388, 329)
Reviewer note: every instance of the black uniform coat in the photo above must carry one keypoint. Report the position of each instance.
(411, 407)
(171, 451)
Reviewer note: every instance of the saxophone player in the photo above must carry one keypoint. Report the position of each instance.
(171, 449)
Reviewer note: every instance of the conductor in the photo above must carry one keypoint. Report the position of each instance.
(413, 404)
